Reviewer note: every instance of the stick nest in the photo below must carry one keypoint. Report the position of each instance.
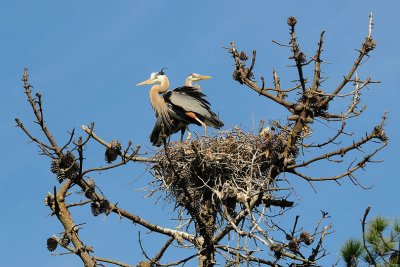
(223, 170)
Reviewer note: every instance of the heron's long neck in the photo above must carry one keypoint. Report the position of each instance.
(157, 101)
(188, 82)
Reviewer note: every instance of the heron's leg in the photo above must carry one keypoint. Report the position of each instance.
(193, 116)
(182, 133)
(189, 134)
(205, 128)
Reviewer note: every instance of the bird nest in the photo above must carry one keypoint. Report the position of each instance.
(223, 170)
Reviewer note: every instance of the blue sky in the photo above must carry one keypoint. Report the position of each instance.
(86, 57)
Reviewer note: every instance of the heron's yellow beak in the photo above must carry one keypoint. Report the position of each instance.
(149, 81)
(203, 77)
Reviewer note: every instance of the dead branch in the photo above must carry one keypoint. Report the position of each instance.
(77, 204)
(348, 173)
(317, 64)
(118, 263)
(125, 159)
(108, 145)
(330, 140)
(179, 262)
(159, 255)
(298, 56)
(241, 75)
(363, 223)
(374, 134)
(37, 110)
(367, 46)
(65, 218)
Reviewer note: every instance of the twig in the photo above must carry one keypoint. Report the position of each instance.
(141, 247)
(298, 56)
(80, 203)
(122, 162)
(243, 76)
(330, 140)
(370, 25)
(108, 145)
(357, 166)
(365, 48)
(42, 145)
(341, 151)
(316, 250)
(71, 136)
(317, 60)
(363, 223)
(112, 261)
(162, 250)
(37, 110)
(179, 261)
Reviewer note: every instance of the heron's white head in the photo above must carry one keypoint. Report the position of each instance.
(155, 78)
(194, 77)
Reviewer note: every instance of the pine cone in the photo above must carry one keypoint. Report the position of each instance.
(61, 176)
(302, 58)
(243, 56)
(91, 188)
(65, 240)
(66, 160)
(104, 206)
(113, 151)
(306, 238)
(236, 77)
(291, 21)
(99, 207)
(369, 44)
(54, 166)
(51, 244)
(49, 199)
(277, 249)
(68, 167)
(95, 208)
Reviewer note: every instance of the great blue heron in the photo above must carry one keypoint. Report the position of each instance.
(190, 79)
(177, 108)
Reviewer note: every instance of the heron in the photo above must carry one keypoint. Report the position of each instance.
(190, 79)
(177, 108)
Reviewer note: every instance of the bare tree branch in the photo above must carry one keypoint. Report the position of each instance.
(118, 263)
(37, 110)
(108, 145)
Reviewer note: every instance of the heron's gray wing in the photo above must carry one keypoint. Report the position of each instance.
(189, 103)
(189, 100)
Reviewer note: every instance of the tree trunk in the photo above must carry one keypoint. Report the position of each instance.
(207, 249)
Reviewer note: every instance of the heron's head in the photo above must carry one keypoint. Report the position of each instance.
(155, 77)
(194, 77)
